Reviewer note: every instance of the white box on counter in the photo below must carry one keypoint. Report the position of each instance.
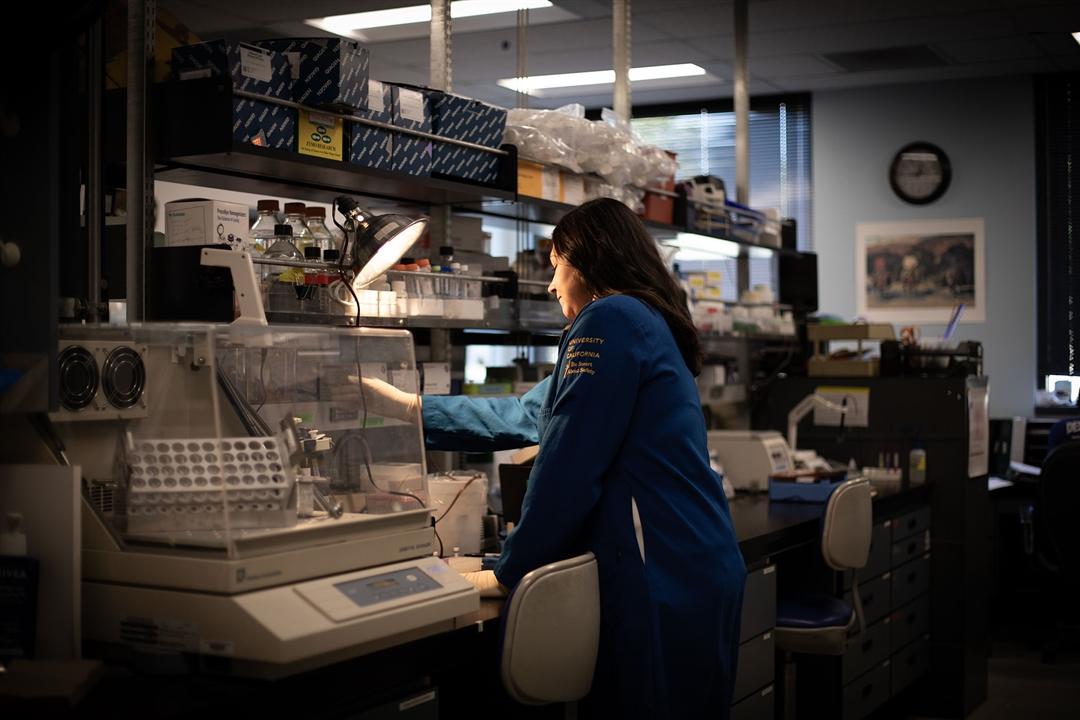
(206, 222)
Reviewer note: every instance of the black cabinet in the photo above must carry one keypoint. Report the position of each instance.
(753, 697)
(940, 550)
(893, 651)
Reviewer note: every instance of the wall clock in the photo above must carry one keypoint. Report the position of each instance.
(920, 173)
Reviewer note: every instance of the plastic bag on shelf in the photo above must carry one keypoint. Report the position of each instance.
(661, 166)
(547, 135)
(535, 144)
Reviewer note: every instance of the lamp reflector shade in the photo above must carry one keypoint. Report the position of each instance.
(382, 244)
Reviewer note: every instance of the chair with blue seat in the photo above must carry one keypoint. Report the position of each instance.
(820, 624)
(1057, 543)
(551, 633)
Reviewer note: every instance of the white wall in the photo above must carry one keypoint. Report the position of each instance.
(987, 129)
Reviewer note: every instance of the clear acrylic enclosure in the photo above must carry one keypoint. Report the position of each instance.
(196, 435)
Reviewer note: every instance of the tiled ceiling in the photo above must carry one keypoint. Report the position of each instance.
(788, 42)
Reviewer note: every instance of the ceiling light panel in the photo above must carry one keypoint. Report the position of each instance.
(360, 26)
(540, 84)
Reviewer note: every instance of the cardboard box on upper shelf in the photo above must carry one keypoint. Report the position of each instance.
(539, 181)
(326, 71)
(373, 146)
(410, 109)
(252, 69)
(462, 118)
(571, 188)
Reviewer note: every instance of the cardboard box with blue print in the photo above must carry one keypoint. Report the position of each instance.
(328, 72)
(373, 146)
(462, 118)
(264, 124)
(251, 68)
(411, 109)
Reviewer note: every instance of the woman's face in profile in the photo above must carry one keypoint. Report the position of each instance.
(568, 287)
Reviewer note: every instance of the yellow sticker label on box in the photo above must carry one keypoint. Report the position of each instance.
(320, 135)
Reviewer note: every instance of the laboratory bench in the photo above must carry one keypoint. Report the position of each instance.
(454, 668)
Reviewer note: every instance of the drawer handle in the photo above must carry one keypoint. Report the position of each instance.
(912, 548)
(912, 577)
(912, 618)
(867, 599)
(867, 689)
(867, 645)
(912, 523)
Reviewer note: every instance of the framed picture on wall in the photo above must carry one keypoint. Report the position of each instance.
(917, 271)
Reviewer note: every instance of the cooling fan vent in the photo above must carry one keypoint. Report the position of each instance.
(78, 377)
(123, 377)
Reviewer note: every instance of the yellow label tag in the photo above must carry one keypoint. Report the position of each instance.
(320, 135)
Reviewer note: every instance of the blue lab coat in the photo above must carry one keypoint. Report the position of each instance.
(623, 471)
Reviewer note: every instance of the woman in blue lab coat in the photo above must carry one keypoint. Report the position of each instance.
(622, 470)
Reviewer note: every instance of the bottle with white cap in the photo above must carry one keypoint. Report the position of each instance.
(12, 537)
(18, 591)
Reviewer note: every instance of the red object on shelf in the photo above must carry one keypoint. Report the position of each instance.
(661, 208)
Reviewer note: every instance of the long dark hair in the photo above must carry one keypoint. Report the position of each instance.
(614, 253)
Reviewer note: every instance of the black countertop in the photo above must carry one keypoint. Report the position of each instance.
(767, 528)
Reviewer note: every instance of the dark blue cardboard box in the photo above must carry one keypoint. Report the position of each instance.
(327, 71)
(462, 118)
(411, 109)
(371, 146)
(251, 68)
(264, 124)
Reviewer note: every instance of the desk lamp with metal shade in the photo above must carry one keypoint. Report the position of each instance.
(377, 243)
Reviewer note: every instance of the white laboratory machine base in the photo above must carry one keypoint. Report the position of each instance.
(287, 601)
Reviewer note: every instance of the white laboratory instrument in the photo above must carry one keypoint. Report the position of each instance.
(192, 541)
(803, 408)
(749, 457)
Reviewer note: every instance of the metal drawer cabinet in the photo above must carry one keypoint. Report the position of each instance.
(910, 664)
(759, 602)
(910, 622)
(868, 693)
(911, 580)
(866, 651)
(910, 548)
(757, 660)
(876, 597)
(910, 524)
(758, 706)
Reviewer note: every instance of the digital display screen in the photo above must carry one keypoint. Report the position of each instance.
(387, 586)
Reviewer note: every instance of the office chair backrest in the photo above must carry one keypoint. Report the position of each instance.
(551, 632)
(1059, 501)
(845, 534)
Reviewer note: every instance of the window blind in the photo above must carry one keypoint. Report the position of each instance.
(779, 153)
(1058, 232)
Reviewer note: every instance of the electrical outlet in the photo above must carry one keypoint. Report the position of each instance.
(855, 399)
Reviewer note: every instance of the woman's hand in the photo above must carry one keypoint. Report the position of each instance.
(382, 398)
(486, 582)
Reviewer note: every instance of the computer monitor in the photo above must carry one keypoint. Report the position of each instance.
(513, 479)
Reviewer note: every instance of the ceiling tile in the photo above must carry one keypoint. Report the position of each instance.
(691, 22)
(1048, 17)
(788, 66)
(989, 49)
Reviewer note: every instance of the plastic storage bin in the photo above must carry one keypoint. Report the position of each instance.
(462, 525)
